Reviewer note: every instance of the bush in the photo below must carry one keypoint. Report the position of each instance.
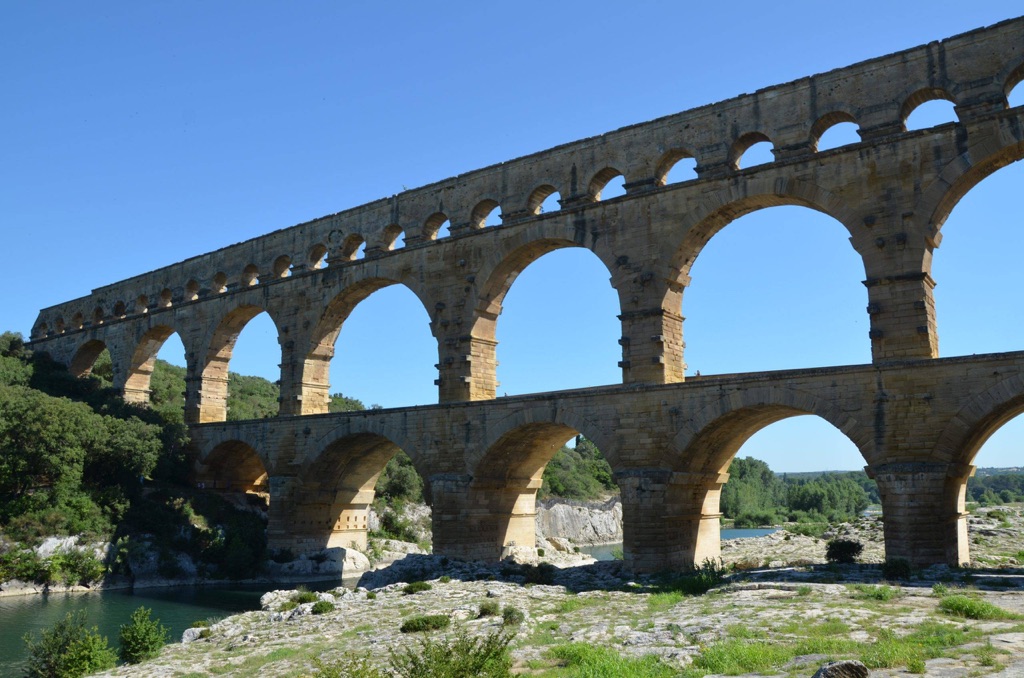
(425, 622)
(67, 650)
(487, 656)
(371, 595)
(75, 567)
(540, 574)
(701, 580)
(305, 597)
(416, 587)
(897, 568)
(142, 638)
(322, 607)
(489, 608)
(512, 616)
(843, 550)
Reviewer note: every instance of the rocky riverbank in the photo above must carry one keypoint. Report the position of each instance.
(782, 611)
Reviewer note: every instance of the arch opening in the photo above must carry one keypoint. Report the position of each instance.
(528, 461)
(607, 184)
(233, 466)
(1015, 93)
(928, 108)
(547, 339)
(975, 267)
(86, 358)
(251, 390)
(675, 167)
(318, 258)
(752, 150)
(282, 266)
(486, 213)
(393, 238)
(386, 354)
(336, 491)
(764, 464)
(437, 226)
(837, 135)
(250, 276)
(157, 371)
(785, 275)
(220, 283)
(543, 200)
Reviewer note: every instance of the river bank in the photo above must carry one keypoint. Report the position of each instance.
(790, 615)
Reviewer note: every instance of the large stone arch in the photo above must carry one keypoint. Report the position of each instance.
(232, 464)
(143, 360)
(710, 438)
(708, 442)
(84, 357)
(506, 476)
(314, 387)
(330, 501)
(720, 208)
(211, 371)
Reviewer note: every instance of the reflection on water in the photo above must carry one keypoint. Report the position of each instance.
(610, 551)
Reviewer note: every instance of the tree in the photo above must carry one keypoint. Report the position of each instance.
(142, 638)
(68, 649)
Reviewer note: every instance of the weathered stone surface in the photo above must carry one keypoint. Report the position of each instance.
(848, 668)
(918, 420)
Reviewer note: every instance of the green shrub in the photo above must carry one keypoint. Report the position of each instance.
(444, 579)
(287, 605)
(881, 593)
(416, 587)
(322, 607)
(843, 550)
(67, 650)
(371, 595)
(464, 655)
(425, 622)
(305, 597)
(701, 580)
(489, 608)
(897, 568)
(23, 565)
(540, 574)
(512, 616)
(142, 638)
(960, 605)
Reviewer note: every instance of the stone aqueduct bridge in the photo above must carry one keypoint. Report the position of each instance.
(917, 419)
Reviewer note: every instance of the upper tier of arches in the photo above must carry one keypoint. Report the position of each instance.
(981, 69)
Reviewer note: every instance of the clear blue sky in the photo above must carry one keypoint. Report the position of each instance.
(137, 134)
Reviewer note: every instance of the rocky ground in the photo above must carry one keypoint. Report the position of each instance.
(783, 612)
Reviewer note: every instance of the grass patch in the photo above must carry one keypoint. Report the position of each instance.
(960, 605)
(305, 597)
(585, 660)
(322, 607)
(882, 593)
(489, 608)
(572, 604)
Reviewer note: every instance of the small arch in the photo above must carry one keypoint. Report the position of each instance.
(220, 283)
(928, 107)
(166, 298)
(41, 330)
(543, 199)
(677, 165)
(393, 238)
(77, 321)
(282, 266)
(97, 315)
(192, 290)
(58, 325)
(317, 257)
(350, 248)
(120, 310)
(142, 304)
(754, 147)
(436, 226)
(486, 213)
(85, 357)
(601, 187)
(1014, 90)
(834, 130)
(250, 276)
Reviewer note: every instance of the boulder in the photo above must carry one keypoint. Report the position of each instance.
(848, 668)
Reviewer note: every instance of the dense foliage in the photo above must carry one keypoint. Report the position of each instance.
(68, 649)
(994, 489)
(579, 472)
(756, 496)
